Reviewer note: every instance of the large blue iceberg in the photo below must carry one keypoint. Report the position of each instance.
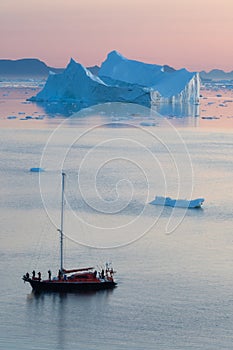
(164, 83)
(77, 83)
(121, 80)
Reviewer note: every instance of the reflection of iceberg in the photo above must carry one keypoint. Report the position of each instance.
(176, 109)
(180, 203)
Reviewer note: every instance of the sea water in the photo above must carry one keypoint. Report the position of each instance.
(174, 266)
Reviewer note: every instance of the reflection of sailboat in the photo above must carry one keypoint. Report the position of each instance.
(82, 279)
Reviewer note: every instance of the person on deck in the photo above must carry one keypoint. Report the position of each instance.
(49, 273)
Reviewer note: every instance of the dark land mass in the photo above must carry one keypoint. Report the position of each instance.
(33, 67)
(29, 68)
(216, 74)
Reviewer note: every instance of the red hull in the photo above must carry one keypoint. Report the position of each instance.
(69, 286)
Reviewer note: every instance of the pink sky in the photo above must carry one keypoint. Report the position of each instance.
(196, 34)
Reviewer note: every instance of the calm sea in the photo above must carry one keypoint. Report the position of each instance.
(174, 266)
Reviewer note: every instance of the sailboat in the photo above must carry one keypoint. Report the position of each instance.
(71, 280)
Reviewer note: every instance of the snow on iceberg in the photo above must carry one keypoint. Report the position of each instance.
(180, 203)
(77, 83)
(165, 85)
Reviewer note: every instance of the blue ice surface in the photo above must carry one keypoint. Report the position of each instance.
(180, 203)
(37, 170)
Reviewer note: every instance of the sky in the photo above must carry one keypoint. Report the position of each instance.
(195, 34)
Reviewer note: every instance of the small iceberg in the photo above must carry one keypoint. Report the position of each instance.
(147, 124)
(11, 117)
(180, 203)
(40, 117)
(37, 170)
(210, 118)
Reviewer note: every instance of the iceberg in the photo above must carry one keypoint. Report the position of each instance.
(77, 83)
(121, 80)
(180, 203)
(147, 123)
(37, 170)
(11, 117)
(180, 86)
(165, 84)
(121, 69)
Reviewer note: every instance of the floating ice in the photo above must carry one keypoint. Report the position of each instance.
(147, 124)
(181, 203)
(39, 118)
(210, 118)
(121, 80)
(76, 83)
(164, 85)
(37, 170)
(11, 117)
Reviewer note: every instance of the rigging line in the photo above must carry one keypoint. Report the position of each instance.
(37, 250)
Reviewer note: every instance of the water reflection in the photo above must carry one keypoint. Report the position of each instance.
(81, 294)
(66, 314)
(179, 110)
(66, 109)
(178, 114)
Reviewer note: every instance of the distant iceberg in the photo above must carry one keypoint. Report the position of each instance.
(147, 123)
(121, 80)
(180, 203)
(37, 170)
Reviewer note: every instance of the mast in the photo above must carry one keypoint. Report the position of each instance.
(62, 221)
